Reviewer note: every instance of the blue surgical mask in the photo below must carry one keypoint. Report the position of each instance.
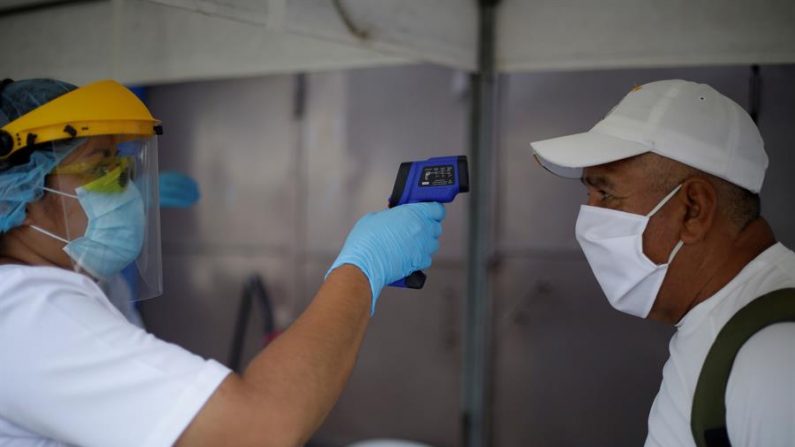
(114, 234)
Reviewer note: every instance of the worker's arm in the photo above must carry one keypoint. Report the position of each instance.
(289, 388)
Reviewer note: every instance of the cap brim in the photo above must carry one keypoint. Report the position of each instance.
(566, 156)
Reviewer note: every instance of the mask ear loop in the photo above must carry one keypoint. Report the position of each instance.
(676, 249)
(75, 266)
(63, 205)
(49, 233)
(657, 208)
(664, 201)
(60, 193)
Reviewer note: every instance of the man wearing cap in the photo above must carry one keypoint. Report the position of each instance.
(672, 232)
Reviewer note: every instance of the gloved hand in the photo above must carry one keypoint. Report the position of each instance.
(391, 244)
(177, 190)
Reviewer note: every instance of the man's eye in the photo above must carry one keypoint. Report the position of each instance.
(600, 195)
(604, 196)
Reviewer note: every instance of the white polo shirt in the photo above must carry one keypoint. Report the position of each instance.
(760, 396)
(73, 371)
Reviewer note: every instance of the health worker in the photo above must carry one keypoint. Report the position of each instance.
(79, 203)
(672, 231)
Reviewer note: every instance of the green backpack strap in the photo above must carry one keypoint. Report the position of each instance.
(708, 418)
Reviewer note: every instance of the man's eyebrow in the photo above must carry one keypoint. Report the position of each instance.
(598, 181)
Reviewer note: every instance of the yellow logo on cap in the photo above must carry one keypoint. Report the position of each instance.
(635, 88)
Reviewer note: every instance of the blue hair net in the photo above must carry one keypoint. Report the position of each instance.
(177, 190)
(20, 97)
(22, 182)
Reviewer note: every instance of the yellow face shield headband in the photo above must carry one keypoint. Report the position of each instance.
(101, 108)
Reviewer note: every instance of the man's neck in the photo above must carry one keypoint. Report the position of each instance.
(718, 266)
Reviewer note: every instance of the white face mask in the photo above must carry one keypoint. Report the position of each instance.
(613, 244)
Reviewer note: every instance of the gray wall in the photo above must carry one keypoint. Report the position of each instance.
(281, 189)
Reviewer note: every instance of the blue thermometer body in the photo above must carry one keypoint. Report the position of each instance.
(437, 179)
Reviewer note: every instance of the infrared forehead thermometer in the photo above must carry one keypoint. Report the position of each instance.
(437, 179)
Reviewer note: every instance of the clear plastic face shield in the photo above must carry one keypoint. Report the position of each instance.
(110, 219)
(97, 146)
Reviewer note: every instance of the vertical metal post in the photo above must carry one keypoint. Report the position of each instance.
(476, 412)
(300, 187)
(755, 93)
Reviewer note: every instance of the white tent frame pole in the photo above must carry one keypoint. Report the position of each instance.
(477, 381)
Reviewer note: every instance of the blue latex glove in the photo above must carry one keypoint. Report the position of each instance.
(391, 244)
(177, 190)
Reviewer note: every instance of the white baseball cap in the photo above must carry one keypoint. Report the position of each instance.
(681, 120)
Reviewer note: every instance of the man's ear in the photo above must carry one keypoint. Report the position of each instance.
(701, 199)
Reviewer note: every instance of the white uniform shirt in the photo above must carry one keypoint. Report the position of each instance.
(73, 371)
(760, 396)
